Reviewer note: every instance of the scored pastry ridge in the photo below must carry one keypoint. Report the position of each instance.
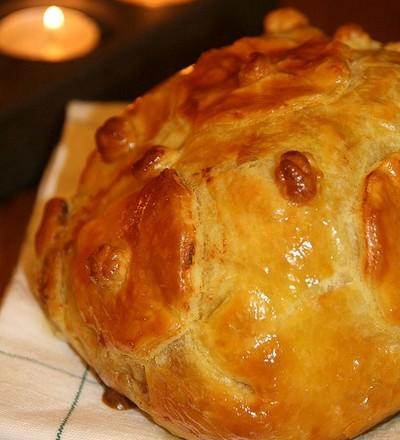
(229, 261)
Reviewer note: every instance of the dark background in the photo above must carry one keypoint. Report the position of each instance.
(381, 18)
(139, 48)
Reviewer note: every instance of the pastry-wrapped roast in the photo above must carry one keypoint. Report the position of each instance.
(231, 259)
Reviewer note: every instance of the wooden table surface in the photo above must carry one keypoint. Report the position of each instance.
(14, 216)
(380, 18)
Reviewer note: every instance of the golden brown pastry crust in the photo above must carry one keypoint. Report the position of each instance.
(230, 261)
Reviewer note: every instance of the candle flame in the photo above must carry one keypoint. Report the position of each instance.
(157, 3)
(53, 18)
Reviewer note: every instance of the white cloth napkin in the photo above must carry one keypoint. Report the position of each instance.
(45, 390)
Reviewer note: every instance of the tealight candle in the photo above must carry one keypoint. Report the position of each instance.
(48, 34)
(156, 3)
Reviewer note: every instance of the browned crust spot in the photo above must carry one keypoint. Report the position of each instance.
(297, 179)
(108, 267)
(149, 161)
(381, 215)
(54, 218)
(113, 139)
(284, 19)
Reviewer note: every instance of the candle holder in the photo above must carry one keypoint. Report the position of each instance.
(138, 48)
(48, 33)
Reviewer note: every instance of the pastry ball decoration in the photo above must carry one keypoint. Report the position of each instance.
(230, 261)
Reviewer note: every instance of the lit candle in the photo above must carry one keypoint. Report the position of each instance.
(156, 3)
(48, 34)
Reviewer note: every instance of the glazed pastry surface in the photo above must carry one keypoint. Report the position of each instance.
(230, 261)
